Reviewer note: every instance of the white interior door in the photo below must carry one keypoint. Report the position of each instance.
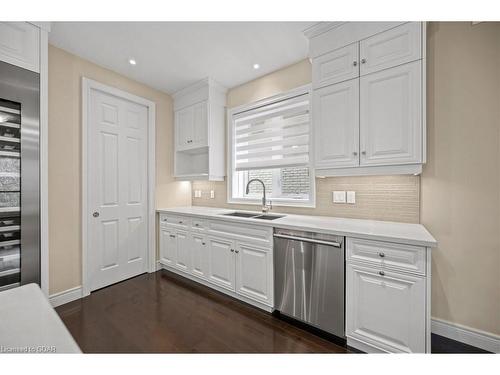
(117, 234)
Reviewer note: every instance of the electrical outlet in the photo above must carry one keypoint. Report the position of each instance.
(351, 197)
(339, 197)
(212, 194)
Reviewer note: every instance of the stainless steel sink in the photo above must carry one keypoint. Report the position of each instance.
(253, 215)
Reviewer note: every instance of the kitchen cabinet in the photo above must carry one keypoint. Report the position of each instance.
(199, 123)
(20, 45)
(387, 297)
(191, 127)
(374, 124)
(221, 262)
(168, 246)
(336, 66)
(386, 309)
(336, 125)
(182, 250)
(254, 272)
(234, 258)
(391, 116)
(393, 47)
(199, 255)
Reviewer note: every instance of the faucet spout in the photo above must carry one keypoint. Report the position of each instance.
(265, 207)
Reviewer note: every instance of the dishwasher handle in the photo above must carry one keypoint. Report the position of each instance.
(310, 240)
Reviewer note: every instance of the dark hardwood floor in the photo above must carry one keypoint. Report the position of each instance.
(164, 313)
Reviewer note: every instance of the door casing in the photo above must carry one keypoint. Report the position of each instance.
(87, 86)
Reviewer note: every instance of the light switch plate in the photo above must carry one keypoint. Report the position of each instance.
(351, 197)
(212, 194)
(339, 197)
(197, 193)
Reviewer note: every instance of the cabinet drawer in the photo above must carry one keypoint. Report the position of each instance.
(19, 45)
(390, 48)
(262, 235)
(198, 225)
(336, 66)
(387, 255)
(176, 221)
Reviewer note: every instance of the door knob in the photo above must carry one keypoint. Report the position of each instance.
(95, 214)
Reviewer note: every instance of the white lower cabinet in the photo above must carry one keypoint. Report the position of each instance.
(254, 273)
(199, 256)
(221, 262)
(168, 246)
(386, 310)
(243, 268)
(183, 253)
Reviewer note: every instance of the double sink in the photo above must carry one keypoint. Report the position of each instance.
(253, 215)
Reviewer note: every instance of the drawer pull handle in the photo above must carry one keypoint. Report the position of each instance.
(232, 250)
(203, 243)
(381, 273)
(197, 225)
(180, 221)
(381, 255)
(172, 236)
(237, 251)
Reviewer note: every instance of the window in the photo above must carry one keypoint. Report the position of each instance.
(269, 140)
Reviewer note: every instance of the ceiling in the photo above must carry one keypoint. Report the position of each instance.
(173, 55)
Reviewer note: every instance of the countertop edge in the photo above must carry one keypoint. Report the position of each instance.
(305, 226)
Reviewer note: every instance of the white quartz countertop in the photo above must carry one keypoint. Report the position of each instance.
(29, 324)
(411, 234)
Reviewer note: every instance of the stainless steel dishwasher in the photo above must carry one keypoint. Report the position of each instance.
(309, 278)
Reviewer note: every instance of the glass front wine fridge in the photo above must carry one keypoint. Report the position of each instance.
(19, 176)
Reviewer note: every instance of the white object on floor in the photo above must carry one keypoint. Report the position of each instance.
(30, 325)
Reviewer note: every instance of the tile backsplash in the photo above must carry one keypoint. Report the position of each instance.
(391, 198)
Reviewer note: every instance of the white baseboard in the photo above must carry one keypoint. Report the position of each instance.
(467, 335)
(65, 296)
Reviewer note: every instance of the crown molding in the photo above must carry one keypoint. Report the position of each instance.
(320, 28)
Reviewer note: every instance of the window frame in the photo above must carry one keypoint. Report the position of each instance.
(286, 202)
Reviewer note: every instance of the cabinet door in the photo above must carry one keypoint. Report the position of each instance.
(168, 245)
(254, 273)
(336, 66)
(386, 310)
(336, 125)
(390, 48)
(184, 119)
(221, 262)
(391, 116)
(200, 125)
(20, 45)
(199, 256)
(183, 249)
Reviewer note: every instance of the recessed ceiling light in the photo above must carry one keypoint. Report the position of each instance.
(132, 62)
(256, 66)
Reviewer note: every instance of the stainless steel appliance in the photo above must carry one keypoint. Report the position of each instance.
(309, 278)
(19, 176)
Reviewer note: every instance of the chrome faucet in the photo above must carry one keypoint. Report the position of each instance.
(265, 207)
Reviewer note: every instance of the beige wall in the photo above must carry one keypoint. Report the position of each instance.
(65, 72)
(460, 187)
(393, 198)
(460, 197)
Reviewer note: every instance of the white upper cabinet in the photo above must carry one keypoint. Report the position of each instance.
(390, 48)
(20, 45)
(374, 124)
(199, 132)
(336, 125)
(339, 65)
(191, 127)
(391, 116)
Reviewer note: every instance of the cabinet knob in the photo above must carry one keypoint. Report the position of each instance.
(232, 250)
(355, 153)
(381, 255)
(95, 214)
(354, 63)
(237, 251)
(363, 152)
(180, 221)
(381, 273)
(197, 225)
(363, 61)
(172, 236)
